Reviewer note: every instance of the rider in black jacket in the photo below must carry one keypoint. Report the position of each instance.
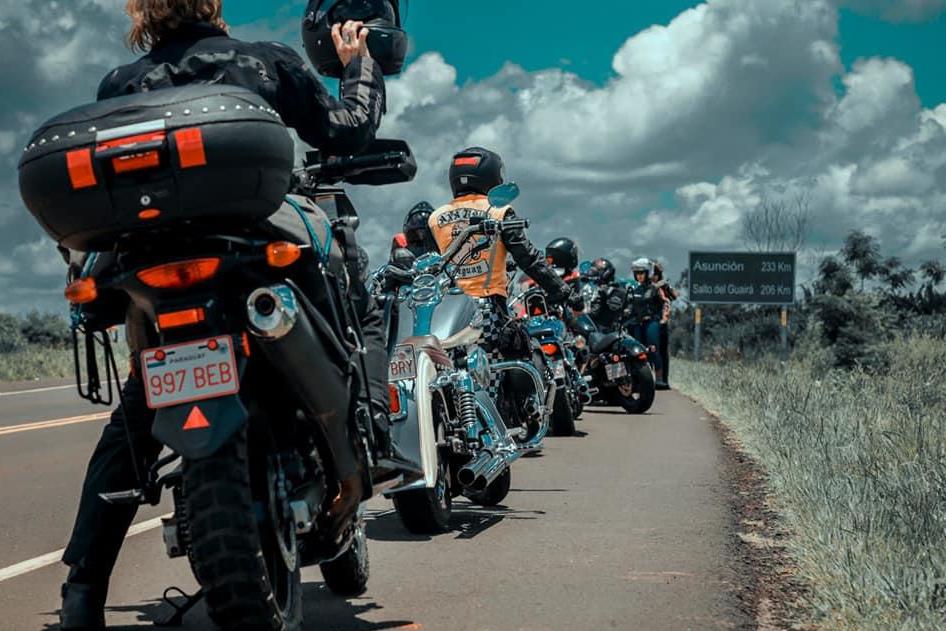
(200, 51)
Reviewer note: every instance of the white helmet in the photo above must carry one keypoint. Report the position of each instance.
(643, 265)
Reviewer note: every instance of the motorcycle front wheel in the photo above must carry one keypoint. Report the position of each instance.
(246, 561)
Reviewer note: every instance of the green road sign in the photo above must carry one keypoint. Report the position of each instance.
(742, 278)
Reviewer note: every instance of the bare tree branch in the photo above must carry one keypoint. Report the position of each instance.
(777, 225)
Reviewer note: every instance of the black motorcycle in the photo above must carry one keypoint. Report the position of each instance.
(616, 366)
(170, 186)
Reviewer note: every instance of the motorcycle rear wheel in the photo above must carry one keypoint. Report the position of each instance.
(248, 572)
(637, 397)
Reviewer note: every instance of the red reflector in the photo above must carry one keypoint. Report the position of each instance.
(469, 161)
(149, 213)
(177, 319)
(394, 399)
(550, 349)
(137, 162)
(643, 357)
(400, 239)
(196, 420)
(81, 173)
(190, 147)
(245, 343)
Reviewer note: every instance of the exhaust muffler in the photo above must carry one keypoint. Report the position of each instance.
(294, 348)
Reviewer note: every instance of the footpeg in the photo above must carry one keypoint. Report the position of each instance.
(133, 496)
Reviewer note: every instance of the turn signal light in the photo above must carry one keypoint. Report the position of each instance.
(550, 349)
(180, 275)
(282, 253)
(176, 319)
(394, 398)
(82, 291)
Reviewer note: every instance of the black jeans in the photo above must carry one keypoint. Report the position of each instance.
(100, 527)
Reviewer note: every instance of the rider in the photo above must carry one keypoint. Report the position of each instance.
(187, 42)
(473, 173)
(610, 303)
(669, 295)
(416, 236)
(647, 309)
(562, 255)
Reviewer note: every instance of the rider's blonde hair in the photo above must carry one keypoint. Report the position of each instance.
(152, 20)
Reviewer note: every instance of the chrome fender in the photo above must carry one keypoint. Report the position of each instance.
(416, 435)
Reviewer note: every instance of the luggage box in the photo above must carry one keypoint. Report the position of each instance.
(200, 156)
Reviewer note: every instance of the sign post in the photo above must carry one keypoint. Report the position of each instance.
(742, 278)
(697, 332)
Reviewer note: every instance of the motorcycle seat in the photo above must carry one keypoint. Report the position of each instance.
(432, 346)
(600, 342)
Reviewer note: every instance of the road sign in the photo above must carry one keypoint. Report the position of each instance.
(742, 278)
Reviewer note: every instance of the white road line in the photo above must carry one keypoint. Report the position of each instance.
(45, 560)
(34, 390)
(57, 422)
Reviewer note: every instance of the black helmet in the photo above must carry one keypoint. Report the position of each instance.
(387, 41)
(562, 253)
(475, 170)
(605, 270)
(417, 229)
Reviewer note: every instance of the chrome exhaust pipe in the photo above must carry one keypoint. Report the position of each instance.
(471, 471)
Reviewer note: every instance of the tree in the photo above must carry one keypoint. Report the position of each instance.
(834, 277)
(895, 274)
(862, 252)
(777, 225)
(11, 337)
(45, 329)
(933, 272)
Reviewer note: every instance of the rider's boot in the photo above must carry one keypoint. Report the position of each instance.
(659, 380)
(83, 604)
(391, 461)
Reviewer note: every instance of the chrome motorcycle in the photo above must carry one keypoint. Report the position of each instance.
(441, 409)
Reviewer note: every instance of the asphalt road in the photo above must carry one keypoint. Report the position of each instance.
(627, 526)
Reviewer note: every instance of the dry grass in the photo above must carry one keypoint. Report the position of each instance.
(35, 362)
(857, 464)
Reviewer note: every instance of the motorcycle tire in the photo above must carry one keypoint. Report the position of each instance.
(495, 493)
(642, 397)
(427, 511)
(348, 574)
(246, 579)
(562, 421)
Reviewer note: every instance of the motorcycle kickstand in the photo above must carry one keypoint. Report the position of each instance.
(176, 619)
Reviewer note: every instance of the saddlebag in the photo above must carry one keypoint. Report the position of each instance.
(202, 154)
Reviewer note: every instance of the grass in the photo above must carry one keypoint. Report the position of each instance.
(37, 362)
(857, 469)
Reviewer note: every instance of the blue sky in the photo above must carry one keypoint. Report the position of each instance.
(478, 42)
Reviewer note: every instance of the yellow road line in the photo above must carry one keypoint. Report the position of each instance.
(59, 422)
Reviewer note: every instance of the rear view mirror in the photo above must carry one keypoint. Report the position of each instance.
(504, 194)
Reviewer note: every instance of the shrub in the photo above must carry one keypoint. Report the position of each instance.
(11, 335)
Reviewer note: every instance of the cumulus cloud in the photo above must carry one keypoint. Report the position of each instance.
(732, 102)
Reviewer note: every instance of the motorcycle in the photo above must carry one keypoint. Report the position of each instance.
(616, 366)
(228, 370)
(552, 336)
(439, 387)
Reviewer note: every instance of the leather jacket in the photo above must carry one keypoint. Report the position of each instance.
(201, 53)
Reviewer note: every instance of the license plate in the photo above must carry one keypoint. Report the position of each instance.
(615, 371)
(559, 370)
(403, 365)
(182, 373)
